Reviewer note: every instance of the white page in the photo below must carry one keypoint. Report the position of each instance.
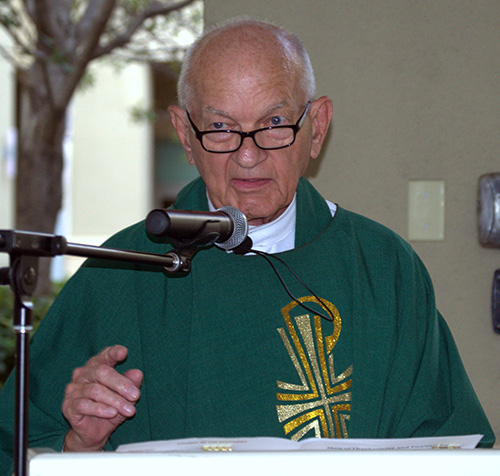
(309, 444)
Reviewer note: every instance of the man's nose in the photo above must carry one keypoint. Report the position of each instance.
(249, 155)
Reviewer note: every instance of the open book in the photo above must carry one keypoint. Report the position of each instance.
(308, 444)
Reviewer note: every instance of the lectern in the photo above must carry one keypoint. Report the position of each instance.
(442, 462)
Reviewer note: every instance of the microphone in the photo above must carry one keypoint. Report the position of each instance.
(227, 227)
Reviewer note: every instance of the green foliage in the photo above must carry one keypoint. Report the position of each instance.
(87, 81)
(134, 5)
(41, 305)
(141, 114)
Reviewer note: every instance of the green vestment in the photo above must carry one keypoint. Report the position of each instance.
(226, 352)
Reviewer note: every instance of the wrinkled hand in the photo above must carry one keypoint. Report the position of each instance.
(99, 399)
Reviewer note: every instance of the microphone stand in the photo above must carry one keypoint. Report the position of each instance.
(25, 249)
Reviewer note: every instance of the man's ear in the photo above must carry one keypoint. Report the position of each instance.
(181, 124)
(321, 114)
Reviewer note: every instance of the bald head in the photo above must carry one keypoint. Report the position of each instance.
(239, 80)
(241, 43)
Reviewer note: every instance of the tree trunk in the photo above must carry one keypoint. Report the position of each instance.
(39, 171)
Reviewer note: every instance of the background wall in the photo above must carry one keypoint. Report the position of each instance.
(110, 173)
(416, 93)
(7, 177)
(95, 175)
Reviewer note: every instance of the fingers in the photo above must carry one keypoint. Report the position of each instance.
(110, 356)
(135, 376)
(98, 398)
(100, 369)
(97, 384)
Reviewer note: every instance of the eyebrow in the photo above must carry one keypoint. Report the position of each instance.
(217, 112)
(220, 112)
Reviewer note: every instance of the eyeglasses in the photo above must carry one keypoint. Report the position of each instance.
(267, 138)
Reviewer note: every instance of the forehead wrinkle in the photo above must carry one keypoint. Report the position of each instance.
(217, 112)
(234, 60)
(273, 107)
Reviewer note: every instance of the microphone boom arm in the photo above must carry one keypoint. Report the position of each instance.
(25, 249)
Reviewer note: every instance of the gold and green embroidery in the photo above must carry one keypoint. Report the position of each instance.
(321, 402)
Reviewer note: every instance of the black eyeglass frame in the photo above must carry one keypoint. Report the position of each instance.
(295, 127)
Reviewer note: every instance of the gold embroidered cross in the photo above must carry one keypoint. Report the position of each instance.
(321, 402)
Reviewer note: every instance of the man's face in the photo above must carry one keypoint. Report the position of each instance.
(245, 92)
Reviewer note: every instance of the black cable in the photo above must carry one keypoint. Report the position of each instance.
(267, 257)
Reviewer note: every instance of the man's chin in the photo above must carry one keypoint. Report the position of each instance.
(261, 217)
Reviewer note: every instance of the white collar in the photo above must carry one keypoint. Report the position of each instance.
(278, 235)
(275, 236)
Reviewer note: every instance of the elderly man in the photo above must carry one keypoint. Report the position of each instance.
(225, 350)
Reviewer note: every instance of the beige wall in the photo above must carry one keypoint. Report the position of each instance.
(6, 123)
(416, 92)
(111, 174)
(112, 153)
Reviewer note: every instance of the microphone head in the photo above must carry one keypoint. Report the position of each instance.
(240, 228)
(157, 222)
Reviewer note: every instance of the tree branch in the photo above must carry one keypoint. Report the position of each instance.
(86, 36)
(53, 19)
(124, 37)
(20, 36)
(7, 56)
(30, 7)
(16, 38)
(95, 18)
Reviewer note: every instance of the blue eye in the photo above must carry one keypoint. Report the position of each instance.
(277, 120)
(219, 125)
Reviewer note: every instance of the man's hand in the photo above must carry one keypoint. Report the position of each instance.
(99, 399)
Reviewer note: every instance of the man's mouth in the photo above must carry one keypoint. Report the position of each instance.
(249, 184)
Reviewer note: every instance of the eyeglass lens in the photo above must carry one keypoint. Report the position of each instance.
(227, 141)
